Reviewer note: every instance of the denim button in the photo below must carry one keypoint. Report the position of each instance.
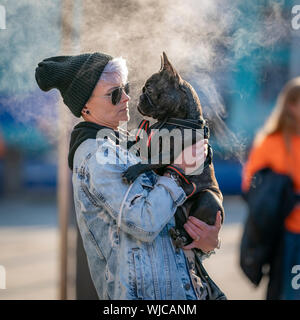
(187, 286)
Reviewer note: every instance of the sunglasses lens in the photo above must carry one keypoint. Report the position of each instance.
(116, 96)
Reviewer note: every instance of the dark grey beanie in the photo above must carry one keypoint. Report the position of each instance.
(74, 76)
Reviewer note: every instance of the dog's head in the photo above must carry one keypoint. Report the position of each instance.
(166, 94)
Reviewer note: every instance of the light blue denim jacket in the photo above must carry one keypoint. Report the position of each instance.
(136, 260)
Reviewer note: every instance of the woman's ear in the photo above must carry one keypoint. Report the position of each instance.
(84, 111)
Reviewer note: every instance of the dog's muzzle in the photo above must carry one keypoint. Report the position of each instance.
(146, 106)
(149, 99)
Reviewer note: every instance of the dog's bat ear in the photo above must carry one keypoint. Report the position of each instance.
(166, 65)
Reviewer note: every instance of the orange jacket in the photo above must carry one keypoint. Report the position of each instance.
(272, 153)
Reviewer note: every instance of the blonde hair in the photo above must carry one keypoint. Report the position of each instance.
(280, 119)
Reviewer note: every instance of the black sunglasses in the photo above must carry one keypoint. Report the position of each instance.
(116, 94)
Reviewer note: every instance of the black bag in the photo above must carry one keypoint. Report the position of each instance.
(270, 199)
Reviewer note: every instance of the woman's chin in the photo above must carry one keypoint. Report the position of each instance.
(125, 116)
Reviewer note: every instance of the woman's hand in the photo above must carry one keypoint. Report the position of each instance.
(192, 157)
(205, 237)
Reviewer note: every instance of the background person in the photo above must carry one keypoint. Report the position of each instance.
(277, 146)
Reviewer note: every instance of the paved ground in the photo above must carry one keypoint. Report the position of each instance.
(29, 250)
(29, 247)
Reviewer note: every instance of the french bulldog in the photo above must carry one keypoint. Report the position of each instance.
(166, 97)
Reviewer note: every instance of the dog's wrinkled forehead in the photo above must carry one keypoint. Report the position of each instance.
(155, 79)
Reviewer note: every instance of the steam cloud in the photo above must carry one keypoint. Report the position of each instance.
(201, 39)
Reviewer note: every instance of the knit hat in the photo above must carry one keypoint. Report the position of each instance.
(74, 76)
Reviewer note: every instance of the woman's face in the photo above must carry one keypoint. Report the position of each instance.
(100, 107)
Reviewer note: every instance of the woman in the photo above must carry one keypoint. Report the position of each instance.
(124, 229)
(277, 146)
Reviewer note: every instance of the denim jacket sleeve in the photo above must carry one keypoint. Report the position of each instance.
(146, 207)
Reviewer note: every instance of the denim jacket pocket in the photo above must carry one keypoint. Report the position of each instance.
(136, 275)
(91, 237)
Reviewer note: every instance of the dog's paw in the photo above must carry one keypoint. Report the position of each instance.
(178, 239)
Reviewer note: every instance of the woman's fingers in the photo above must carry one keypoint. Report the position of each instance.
(204, 226)
(199, 223)
(195, 161)
(191, 230)
(195, 233)
(190, 246)
(205, 236)
(194, 229)
(193, 156)
(218, 222)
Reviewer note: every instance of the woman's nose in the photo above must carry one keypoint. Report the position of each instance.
(125, 97)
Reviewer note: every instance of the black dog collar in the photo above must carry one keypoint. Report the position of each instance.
(184, 123)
